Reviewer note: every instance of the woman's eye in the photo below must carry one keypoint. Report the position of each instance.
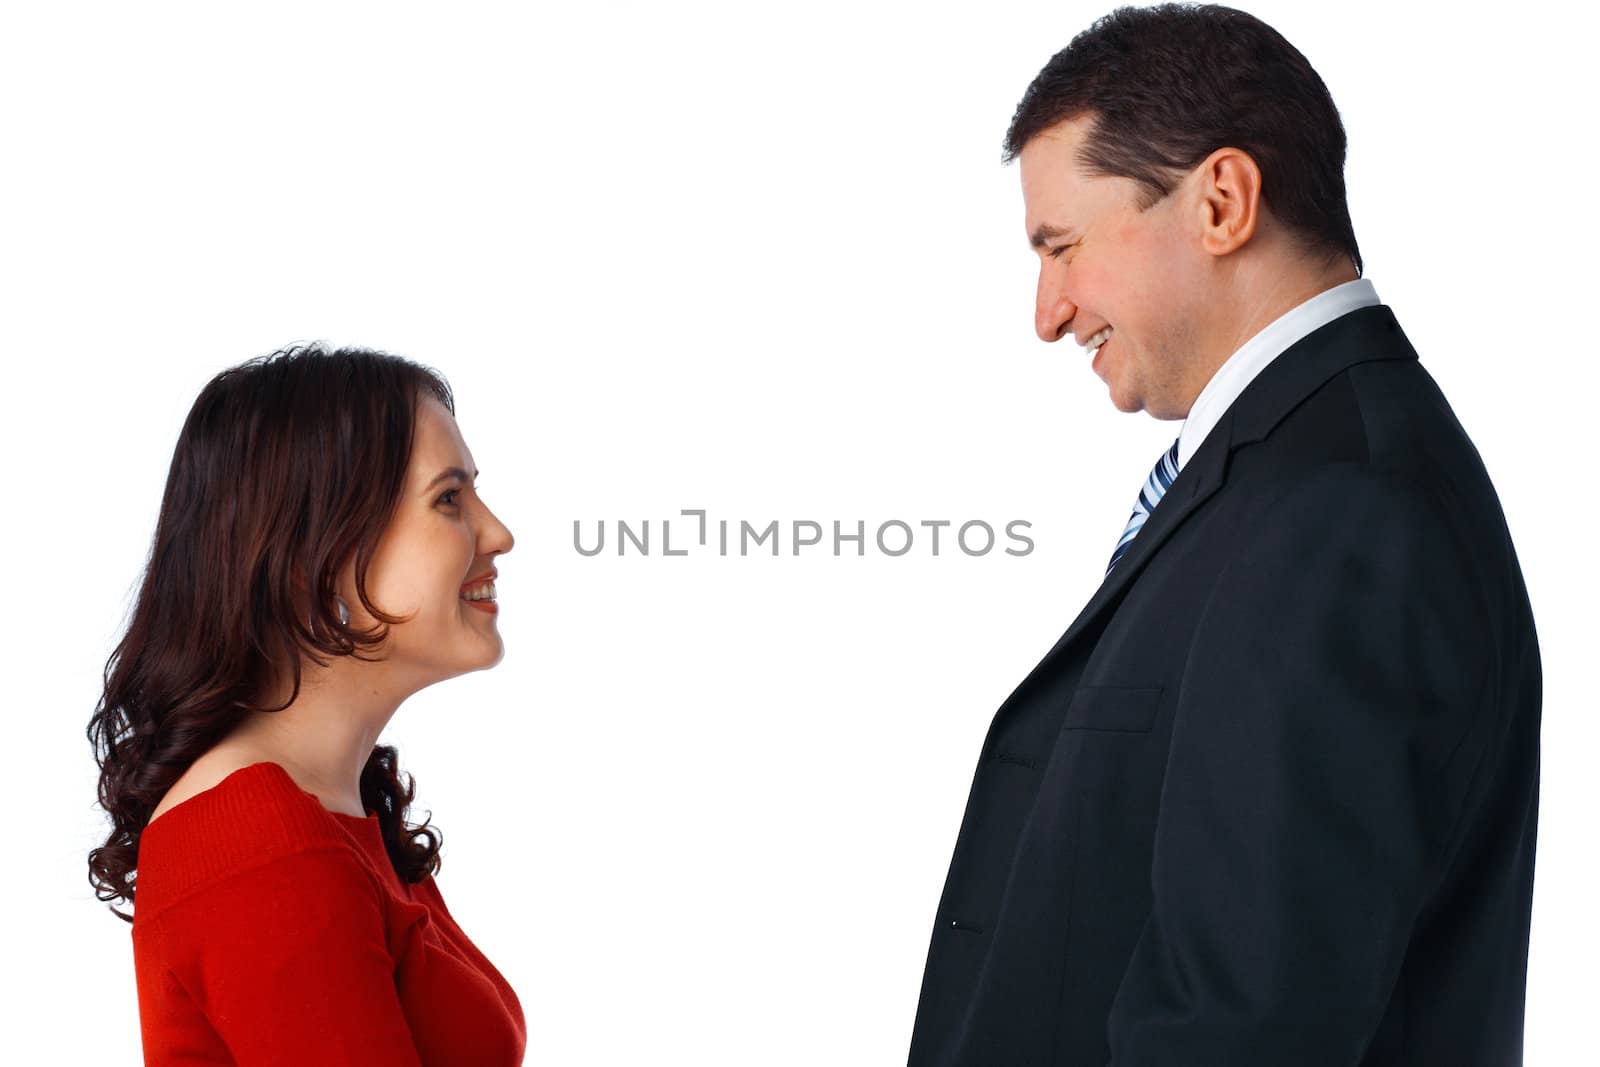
(446, 498)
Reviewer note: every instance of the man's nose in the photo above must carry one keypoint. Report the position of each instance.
(1052, 312)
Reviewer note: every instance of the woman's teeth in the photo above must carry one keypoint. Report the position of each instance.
(479, 592)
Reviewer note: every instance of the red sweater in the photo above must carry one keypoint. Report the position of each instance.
(270, 930)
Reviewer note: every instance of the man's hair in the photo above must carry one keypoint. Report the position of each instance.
(1168, 85)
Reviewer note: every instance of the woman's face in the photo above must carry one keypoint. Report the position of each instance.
(441, 542)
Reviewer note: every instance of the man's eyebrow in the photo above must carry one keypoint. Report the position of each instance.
(449, 472)
(1045, 232)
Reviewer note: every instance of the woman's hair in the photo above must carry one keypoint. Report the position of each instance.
(287, 466)
(1170, 84)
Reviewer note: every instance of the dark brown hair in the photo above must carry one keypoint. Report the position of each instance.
(287, 467)
(1168, 85)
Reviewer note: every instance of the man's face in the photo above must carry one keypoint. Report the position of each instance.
(1103, 263)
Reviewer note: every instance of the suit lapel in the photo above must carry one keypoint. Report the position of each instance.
(1361, 336)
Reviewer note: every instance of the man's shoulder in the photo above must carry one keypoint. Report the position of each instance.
(1384, 430)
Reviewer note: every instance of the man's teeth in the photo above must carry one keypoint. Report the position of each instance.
(479, 592)
(1098, 339)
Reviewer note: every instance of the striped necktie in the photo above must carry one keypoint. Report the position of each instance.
(1155, 487)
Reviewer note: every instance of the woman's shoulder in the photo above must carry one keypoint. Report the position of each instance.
(224, 778)
(205, 773)
(225, 816)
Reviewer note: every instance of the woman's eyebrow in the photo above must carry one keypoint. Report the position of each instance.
(449, 472)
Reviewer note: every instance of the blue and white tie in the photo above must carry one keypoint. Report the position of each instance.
(1155, 487)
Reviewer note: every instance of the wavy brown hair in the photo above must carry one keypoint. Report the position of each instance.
(287, 467)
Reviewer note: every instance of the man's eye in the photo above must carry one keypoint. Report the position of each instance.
(1055, 253)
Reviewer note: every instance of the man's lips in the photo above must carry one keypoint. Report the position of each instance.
(1084, 338)
(1094, 363)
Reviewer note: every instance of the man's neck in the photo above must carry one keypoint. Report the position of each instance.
(1265, 303)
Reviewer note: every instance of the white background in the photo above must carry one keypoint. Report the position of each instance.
(763, 261)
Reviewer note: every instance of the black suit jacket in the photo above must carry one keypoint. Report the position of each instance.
(1272, 798)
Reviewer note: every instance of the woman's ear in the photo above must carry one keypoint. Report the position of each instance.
(297, 583)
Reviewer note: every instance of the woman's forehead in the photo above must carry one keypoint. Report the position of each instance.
(438, 441)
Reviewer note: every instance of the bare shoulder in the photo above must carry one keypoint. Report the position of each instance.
(204, 773)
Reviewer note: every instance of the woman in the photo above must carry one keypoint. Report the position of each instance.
(320, 555)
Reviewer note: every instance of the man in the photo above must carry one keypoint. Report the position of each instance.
(1272, 797)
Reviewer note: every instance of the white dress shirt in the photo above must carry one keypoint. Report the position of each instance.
(1239, 369)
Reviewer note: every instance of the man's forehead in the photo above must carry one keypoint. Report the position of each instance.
(1059, 142)
(1051, 195)
(1057, 191)
(1049, 167)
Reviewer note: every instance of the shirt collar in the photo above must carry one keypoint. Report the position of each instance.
(1239, 369)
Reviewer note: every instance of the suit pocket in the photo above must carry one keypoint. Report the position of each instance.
(1110, 755)
(1120, 708)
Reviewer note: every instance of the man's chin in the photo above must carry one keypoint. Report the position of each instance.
(1125, 402)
